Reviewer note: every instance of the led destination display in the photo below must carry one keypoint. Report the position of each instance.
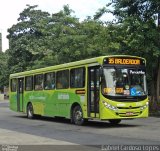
(124, 61)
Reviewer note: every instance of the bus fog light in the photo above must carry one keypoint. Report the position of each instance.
(105, 103)
(143, 107)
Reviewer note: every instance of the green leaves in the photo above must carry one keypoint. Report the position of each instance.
(139, 34)
(38, 38)
(41, 39)
(3, 70)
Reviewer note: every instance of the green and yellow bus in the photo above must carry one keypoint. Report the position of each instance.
(109, 88)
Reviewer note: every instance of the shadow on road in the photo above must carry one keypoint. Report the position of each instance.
(90, 123)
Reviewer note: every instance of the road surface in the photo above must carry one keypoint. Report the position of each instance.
(16, 129)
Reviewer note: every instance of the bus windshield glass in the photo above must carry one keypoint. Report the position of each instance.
(125, 81)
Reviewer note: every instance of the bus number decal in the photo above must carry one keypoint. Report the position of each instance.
(107, 90)
(119, 90)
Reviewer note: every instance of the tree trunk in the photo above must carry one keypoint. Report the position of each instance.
(158, 81)
(152, 86)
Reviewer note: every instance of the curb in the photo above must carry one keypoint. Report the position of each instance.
(156, 114)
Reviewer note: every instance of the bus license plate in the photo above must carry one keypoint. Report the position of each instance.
(129, 113)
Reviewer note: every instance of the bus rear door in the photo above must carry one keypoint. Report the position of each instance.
(20, 92)
(93, 91)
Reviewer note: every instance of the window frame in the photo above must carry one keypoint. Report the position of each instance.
(45, 80)
(31, 83)
(39, 86)
(83, 77)
(11, 86)
(61, 83)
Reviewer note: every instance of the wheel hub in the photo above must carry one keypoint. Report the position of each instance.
(78, 115)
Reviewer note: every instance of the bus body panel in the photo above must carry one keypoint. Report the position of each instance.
(13, 101)
(53, 102)
(58, 102)
(125, 110)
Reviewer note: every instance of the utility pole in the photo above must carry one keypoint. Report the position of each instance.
(159, 19)
(158, 72)
(0, 42)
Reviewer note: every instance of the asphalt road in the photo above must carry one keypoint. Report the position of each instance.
(16, 129)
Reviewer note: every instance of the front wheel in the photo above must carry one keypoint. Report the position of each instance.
(30, 111)
(77, 116)
(115, 121)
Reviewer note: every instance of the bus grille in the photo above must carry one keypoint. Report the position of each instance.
(128, 107)
(129, 115)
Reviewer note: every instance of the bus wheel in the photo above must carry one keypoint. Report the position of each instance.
(30, 111)
(77, 115)
(115, 121)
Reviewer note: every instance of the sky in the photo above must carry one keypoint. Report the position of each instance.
(10, 10)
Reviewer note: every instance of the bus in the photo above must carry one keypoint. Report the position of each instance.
(111, 88)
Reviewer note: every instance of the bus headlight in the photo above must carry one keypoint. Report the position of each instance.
(145, 106)
(109, 106)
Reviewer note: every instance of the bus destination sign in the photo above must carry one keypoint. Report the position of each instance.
(124, 61)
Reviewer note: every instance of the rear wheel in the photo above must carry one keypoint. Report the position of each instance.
(115, 121)
(77, 115)
(30, 111)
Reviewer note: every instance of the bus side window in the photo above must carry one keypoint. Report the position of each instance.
(49, 81)
(38, 82)
(13, 85)
(62, 79)
(77, 77)
(29, 83)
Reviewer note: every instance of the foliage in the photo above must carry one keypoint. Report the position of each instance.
(3, 70)
(27, 39)
(41, 39)
(135, 32)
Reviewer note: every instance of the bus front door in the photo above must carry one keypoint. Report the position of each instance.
(20, 91)
(93, 91)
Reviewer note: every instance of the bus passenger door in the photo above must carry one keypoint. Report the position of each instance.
(93, 91)
(20, 91)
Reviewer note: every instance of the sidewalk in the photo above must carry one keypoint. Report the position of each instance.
(1, 97)
(15, 141)
(20, 138)
(4, 101)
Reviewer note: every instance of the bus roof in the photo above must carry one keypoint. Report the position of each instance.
(98, 60)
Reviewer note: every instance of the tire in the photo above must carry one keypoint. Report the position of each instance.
(115, 121)
(30, 111)
(77, 116)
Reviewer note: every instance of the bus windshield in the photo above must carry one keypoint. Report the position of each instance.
(125, 81)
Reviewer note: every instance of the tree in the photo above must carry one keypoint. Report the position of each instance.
(4, 76)
(27, 39)
(40, 39)
(136, 32)
(73, 40)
